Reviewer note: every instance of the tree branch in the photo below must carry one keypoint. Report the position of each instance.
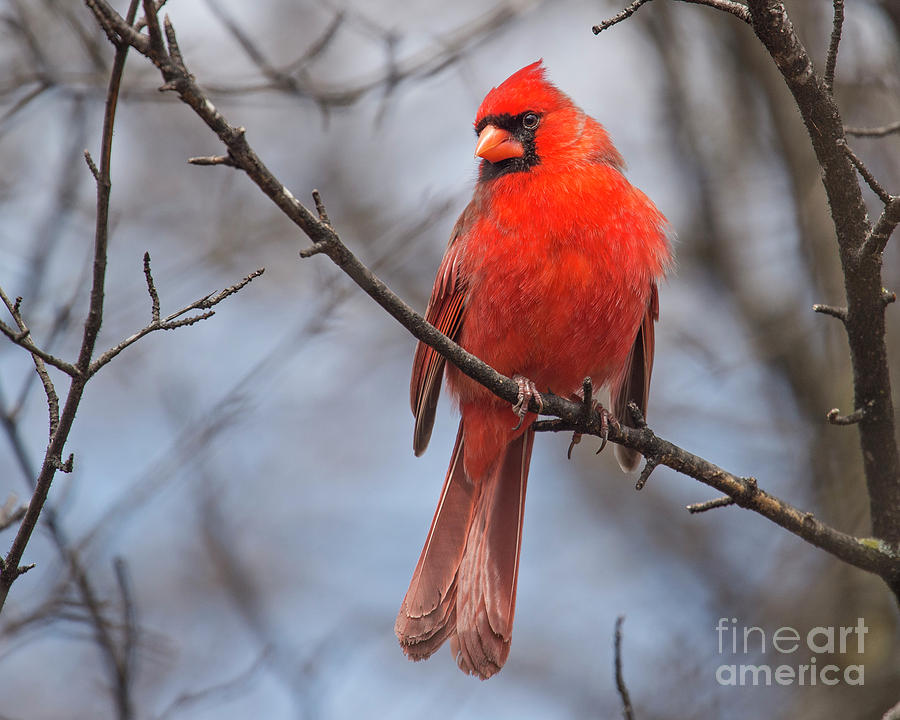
(53, 455)
(862, 270)
(878, 237)
(876, 132)
(122, 33)
(831, 59)
(171, 322)
(873, 556)
(627, 709)
(39, 367)
(739, 10)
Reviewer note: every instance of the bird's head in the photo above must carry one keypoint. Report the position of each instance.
(526, 121)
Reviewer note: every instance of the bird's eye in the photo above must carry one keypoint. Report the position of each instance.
(530, 120)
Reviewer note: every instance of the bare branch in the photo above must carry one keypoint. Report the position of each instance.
(213, 160)
(862, 272)
(831, 59)
(737, 9)
(718, 502)
(11, 512)
(23, 340)
(53, 454)
(175, 320)
(151, 289)
(875, 132)
(39, 367)
(320, 208)
(867, 175)
(290, 78)
(619, 17)
(836, 312)
(627, 710)
(877, 239)
(220, 689)
(152, 21)
(835, 418)
(648, 468)
(92, 166)
(125, 675)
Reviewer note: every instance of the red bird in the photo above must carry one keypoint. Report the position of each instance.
(550, 276)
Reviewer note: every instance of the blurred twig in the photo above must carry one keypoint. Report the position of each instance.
(291, 78)
(627, 710)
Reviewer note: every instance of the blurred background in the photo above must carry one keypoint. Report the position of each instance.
(244, 494)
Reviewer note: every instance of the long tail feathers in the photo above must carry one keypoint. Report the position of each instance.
(428, 612)
(464, 586)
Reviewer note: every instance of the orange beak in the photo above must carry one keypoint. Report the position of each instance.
(495, 145)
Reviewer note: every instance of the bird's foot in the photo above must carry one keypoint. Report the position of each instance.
(527, 391)
(606, 418)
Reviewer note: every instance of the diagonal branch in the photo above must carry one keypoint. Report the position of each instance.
(39, 367)
(871, 555)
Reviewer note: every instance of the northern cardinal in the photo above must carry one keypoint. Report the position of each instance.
(550, 276)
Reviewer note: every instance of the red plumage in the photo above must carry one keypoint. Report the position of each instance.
(550, 274)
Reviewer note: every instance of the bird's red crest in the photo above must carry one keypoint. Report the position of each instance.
(525, 89)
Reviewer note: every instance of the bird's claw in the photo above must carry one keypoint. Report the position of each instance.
(604, 427)
(606, 419)
(527, 391)
(576, 438)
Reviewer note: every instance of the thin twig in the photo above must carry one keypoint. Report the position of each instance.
(835, 418)
(627, 710)
(878, 237)
(11, 512)
(836, 312)
(129, 642)
(39, 367)
(874, 132)
(649, 467)
(213, 160)
(23, 340)
(151, 289)
(867, 175)
(619, 17)
(718, 502)
(175, 320)
(737, 9)
(831, 59)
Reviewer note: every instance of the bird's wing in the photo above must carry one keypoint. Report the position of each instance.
(634, 382)
(445, 312)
